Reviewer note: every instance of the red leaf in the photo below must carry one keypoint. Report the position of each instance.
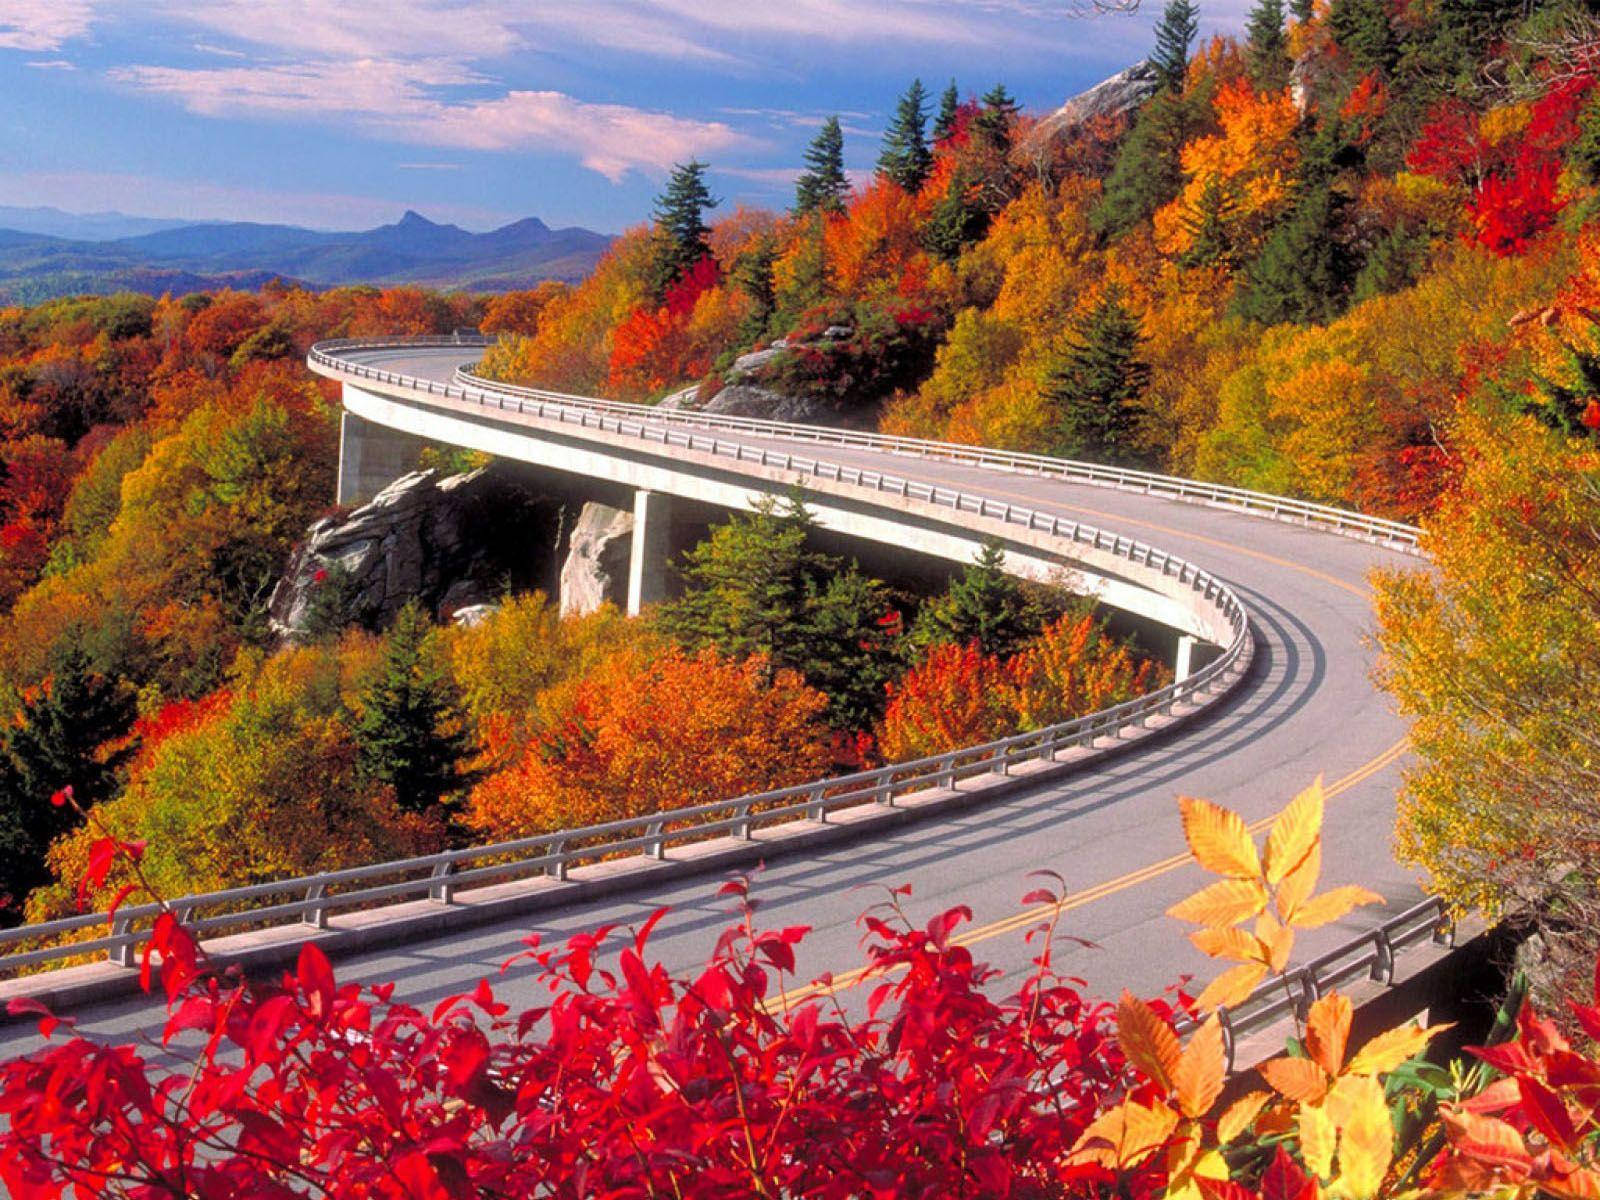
(1284, 1180)
(315, 975)
(1548, 1115)
(1223, 1189)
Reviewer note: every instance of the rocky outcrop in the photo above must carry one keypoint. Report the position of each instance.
(1122, 93)
(449, 542)
(744, 395)
(595, 570)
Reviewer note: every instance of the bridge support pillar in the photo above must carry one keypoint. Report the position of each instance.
(651, 551)
(1184, 666)
(371, 457)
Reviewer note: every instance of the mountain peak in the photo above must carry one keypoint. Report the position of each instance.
(415, 220)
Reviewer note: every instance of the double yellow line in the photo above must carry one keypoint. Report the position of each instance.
(1036, 913)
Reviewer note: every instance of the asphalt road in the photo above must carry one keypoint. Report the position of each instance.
(1308, 709)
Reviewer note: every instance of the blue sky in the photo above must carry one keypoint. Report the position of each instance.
(343, 113)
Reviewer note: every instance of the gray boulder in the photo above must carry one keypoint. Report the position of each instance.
(1122, 93)
(595, 570)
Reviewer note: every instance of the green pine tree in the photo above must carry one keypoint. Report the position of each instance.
(1268, 47)
(823, 185)
(1304, 272)
(409, 731)
(905, 158)
(1175, 34)
(1097, 388)
(1302, 9)
(753, 274)
(56, 741)
(680, 222)
(949, 112)
(1362, 29)
(1210, 236)
(1148, 172)
(986, 605)
(996, 119)
(756, 586)
(956, 221)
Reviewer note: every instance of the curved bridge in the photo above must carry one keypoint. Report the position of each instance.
(1280, 600)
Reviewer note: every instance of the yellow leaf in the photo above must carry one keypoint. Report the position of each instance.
(1366, 1140)
(1298, 884)
(1582, 1184)
(1236, 1118)
(1294, 832)
(1228, 943)
(1277, 942)
(1330, 906)
(1318, 1140)
(1391, 1048)
(1297, 1078)
(1232, 986)
(1201, 1070)
(1218, 839)
(1147, 1040)
(1328, 1031)
(1226, 902)
(1124, 1135)
(1184, 1167)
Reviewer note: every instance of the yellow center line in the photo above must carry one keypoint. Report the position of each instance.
(1027, 916)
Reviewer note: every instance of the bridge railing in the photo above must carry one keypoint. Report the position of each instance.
(1395, 534)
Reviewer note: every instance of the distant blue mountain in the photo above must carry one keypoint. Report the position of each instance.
(87, 227)
(414, 250)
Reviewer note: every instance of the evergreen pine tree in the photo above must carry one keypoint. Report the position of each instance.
(956, 221)
(823, 186)
(753, 274)
(54, 742)
(1175, 34)
(1268, 47)
(1362, 29)
(985, 605)
(1096, 390)
(1210, 238)
(1304, 272)
(1148, 172)
(1302, 9)
(906, 158)
(680, 221)
(409, 732)
(993, 124)
(949, 112)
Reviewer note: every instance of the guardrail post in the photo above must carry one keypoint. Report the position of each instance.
(999, 761)
(317, 915)
(743, 828)
(441, 889)
(947, 771)
(817, 810)
(557, 869)
(656, 847)
(122, 953)
(1383, 969)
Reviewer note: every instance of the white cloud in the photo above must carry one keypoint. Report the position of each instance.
(400, 100)
(52, 64)
(43, 24)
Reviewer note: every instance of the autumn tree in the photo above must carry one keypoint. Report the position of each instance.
(1175, 33)
(1148, 171)
(1096, 389)
(681, 231)
(1268, 46)
(822, 186)
(905, 158)
(409, 729)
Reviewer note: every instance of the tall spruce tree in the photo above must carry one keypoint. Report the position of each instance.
(949, 113)
(1096, 390)
(54, 742)
(995, 119)
(986, 605)
(1148, 172)
(1363, 31)
(1302, 9)
(822, 186)
(1268, 47)
(409, 731)
(680, 222)
(905, 158)
(1175, 34)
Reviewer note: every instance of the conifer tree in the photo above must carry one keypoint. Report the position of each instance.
(905, 158)
(1210, 239)
(1268, 47)
(1175, 34)
(986, 605)
(1096, 390)
(957, 220)
(949, 112)
(54, 742)
(823, 185)
(1148, 172)
(995, 119)
(409, 731)
(680, 221)
(1362, 29)
(1302, 9)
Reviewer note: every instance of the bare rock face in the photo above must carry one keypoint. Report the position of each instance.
(1122, 93)
(595, 570)
(449, 542)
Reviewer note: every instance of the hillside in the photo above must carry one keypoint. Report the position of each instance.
(36, 266)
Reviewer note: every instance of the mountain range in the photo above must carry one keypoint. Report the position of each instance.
(153, 255)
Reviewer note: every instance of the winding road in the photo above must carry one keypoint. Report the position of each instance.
(1307, 707)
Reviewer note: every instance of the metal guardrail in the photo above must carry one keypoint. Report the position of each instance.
(1395, 534)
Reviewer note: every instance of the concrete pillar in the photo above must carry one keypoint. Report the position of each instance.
(648, 560)
(371, 457)
(1184, 666)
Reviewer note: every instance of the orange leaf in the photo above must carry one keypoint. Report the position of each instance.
(1328, 1031)
(1298, 884)
(1232, 986)
(1277, 942)
(1236, 1118)
(1126, 1134)
(1297, 1078)
(1147, 1040)
(1294, 831)
(1201, 1070)
(1330, 906)
(1226, 902)
(1218, 839)
(1228, 943)
(1391, 1048)
(1366, 1140)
